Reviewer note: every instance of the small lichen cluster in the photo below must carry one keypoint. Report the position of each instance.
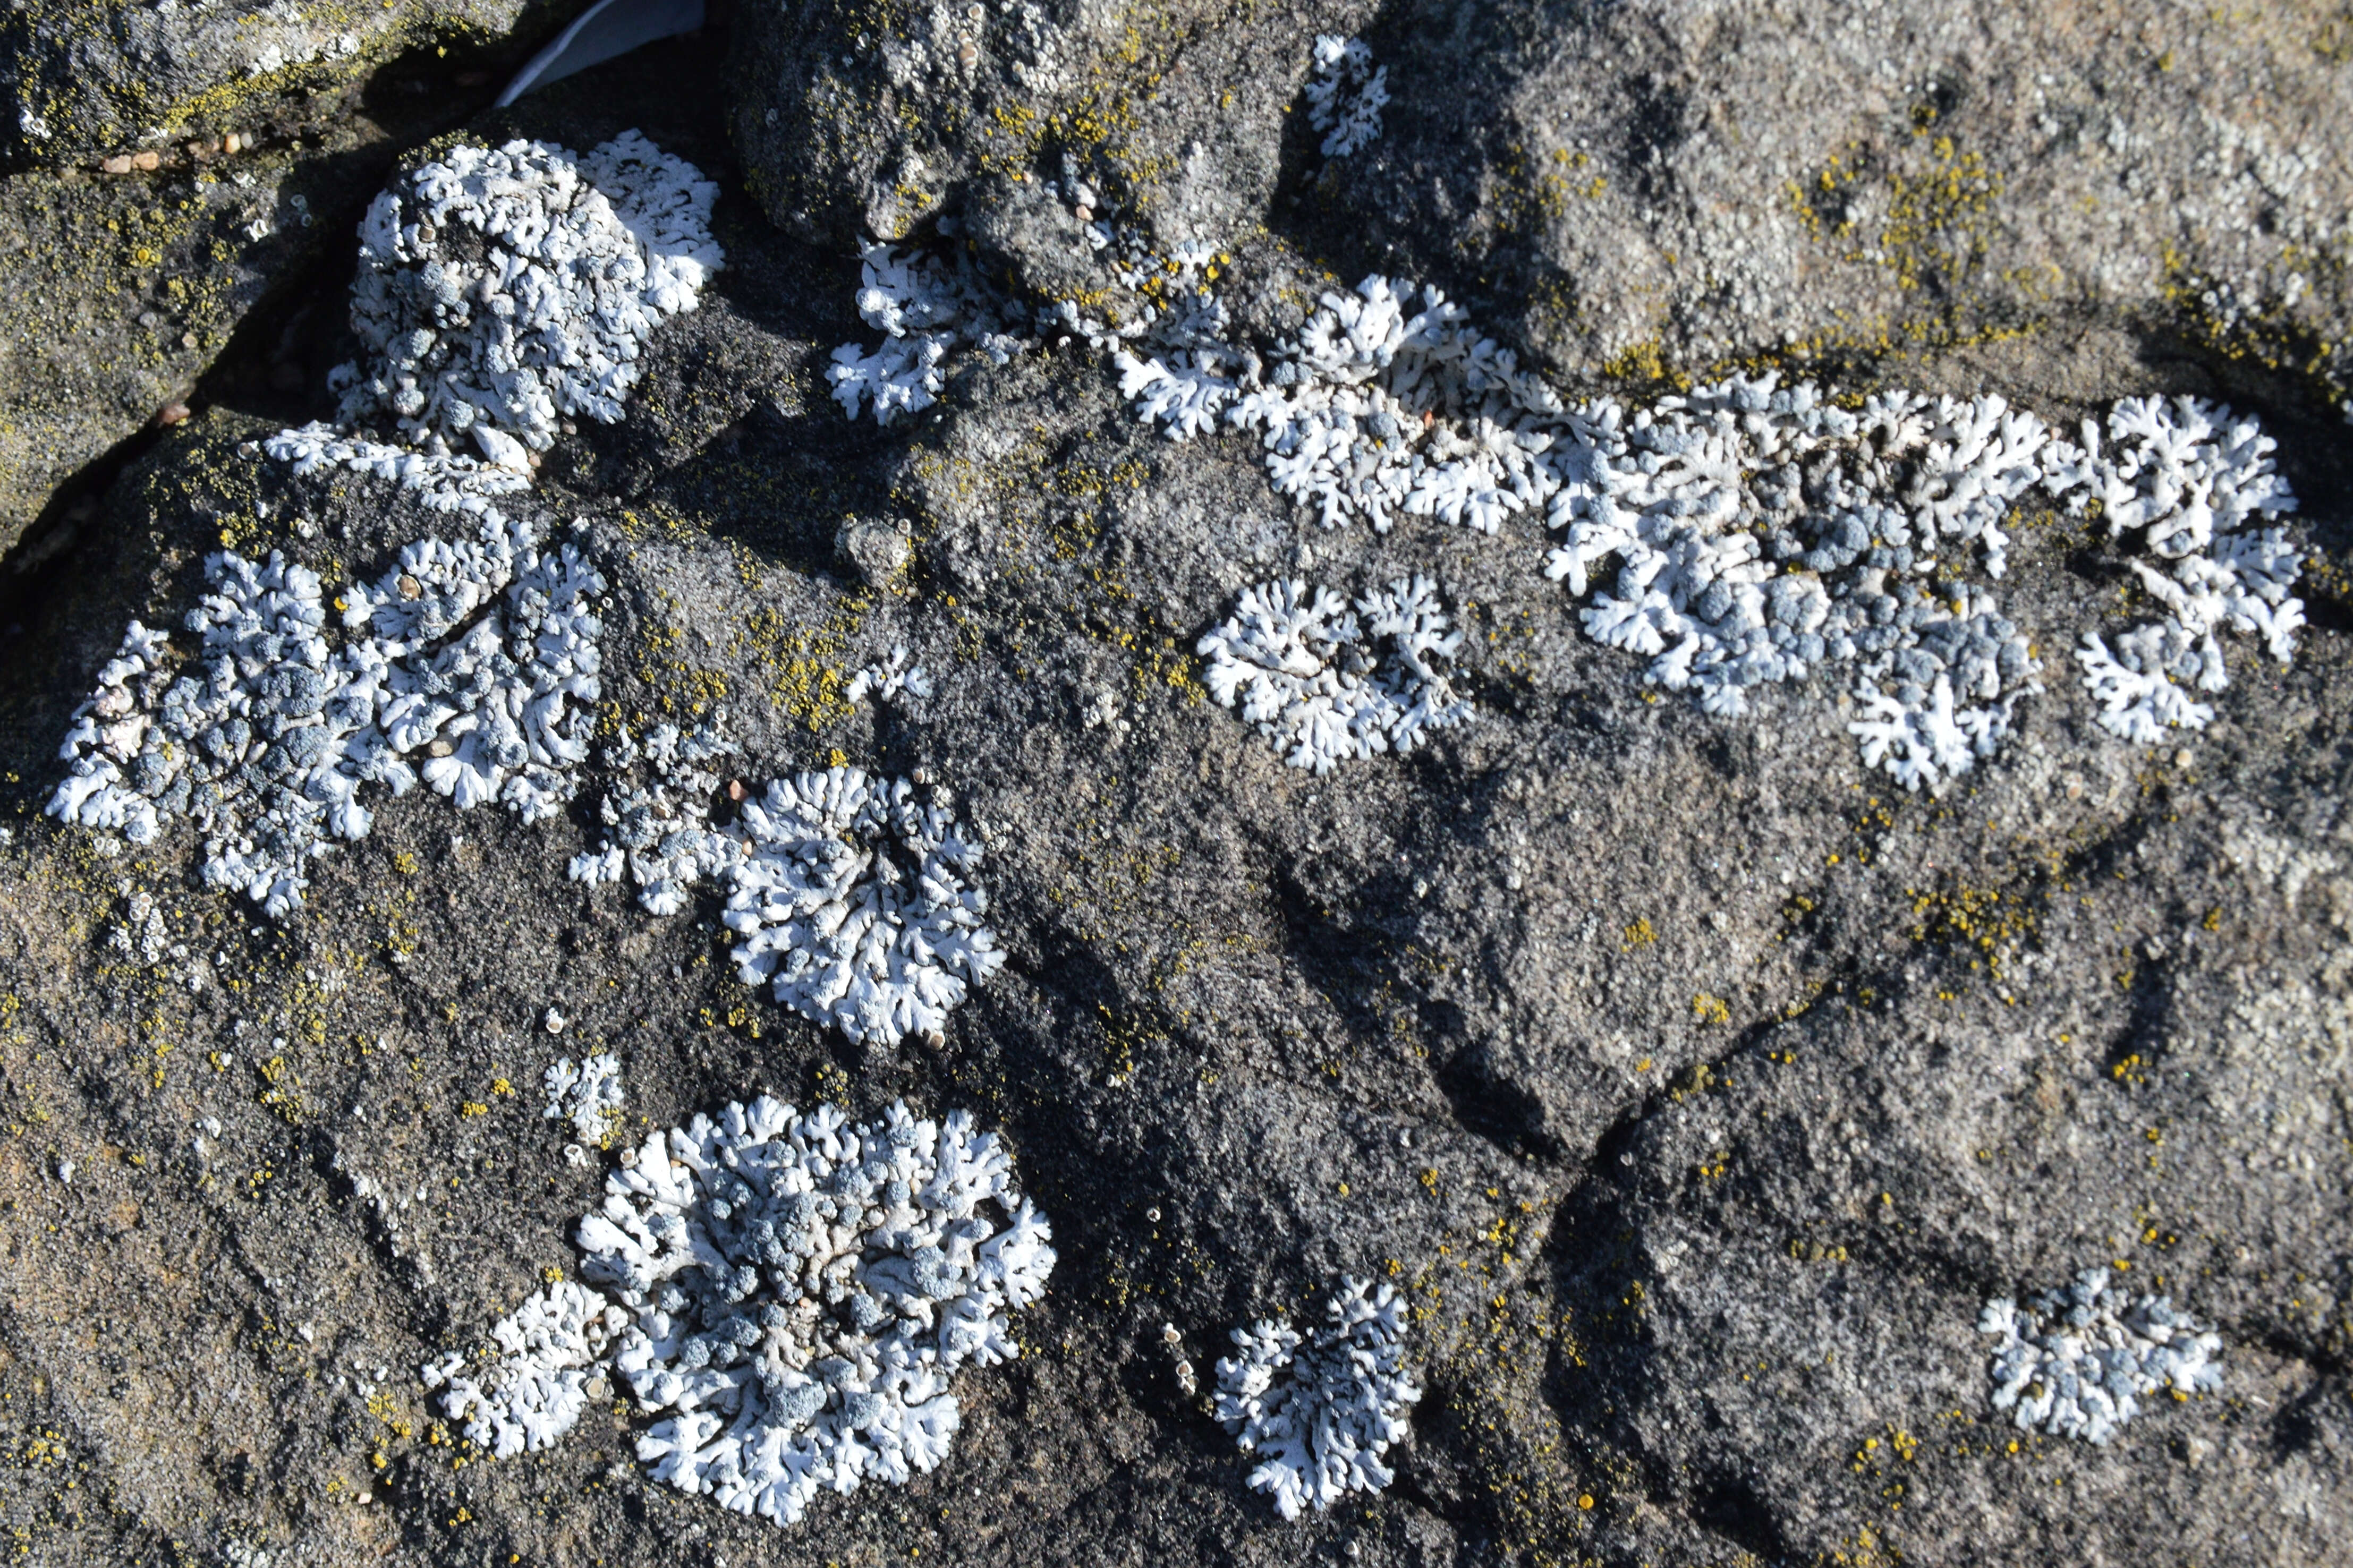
(1326, 685)
(2191, 479)
(886, 679)
(853, 903)
(849, 896)
(1318, 1413)
(2077, 1361)
(588, 1093)
(470, 665)
(802, 1292)
(532, 1389)
(925, 306)
(1346, 95)
(659, 833)
(501, 290)
(1375, 409)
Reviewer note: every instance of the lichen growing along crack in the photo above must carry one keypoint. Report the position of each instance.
(1763, 532)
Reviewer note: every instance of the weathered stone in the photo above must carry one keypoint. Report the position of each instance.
(84, 76)
(1646, 190)
(1697, 1086)
(874, 549)
(119, 293)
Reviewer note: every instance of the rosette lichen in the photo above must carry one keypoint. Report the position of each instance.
(802, 1291)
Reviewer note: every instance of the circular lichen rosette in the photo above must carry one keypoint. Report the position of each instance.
(804, 1289)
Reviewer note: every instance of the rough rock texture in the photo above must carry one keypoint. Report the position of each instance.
(84, 76)
(123, 290)
(1643, 190)
(1696, 1087)
(870, 117)
(126, 291)
(1676, 180)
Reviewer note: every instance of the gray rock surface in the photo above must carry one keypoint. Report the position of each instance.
(79, 77)
(124, 289)
(1669, 183)
(1646, 190)
(128, 291)
(1698, 1088)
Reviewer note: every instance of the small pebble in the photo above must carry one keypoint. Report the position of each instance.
(147, 162)
(171, 414)
(118, 165)
(232, 143)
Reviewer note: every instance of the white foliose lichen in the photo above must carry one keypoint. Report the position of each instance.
(1327, 685)
(658, 832)
(1319, 1414)
(439, 481)
(498, 291)
(2197, 483)
(472, 665)
(2077, 1361)
(887, 679)
(588, 1093)
(1748, 533)
(847, 895)
(926, 306)
(1377, 408)
(1346, 95)
(503, 290)
(853, 903)
(532, 1389)
(804, 1290)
